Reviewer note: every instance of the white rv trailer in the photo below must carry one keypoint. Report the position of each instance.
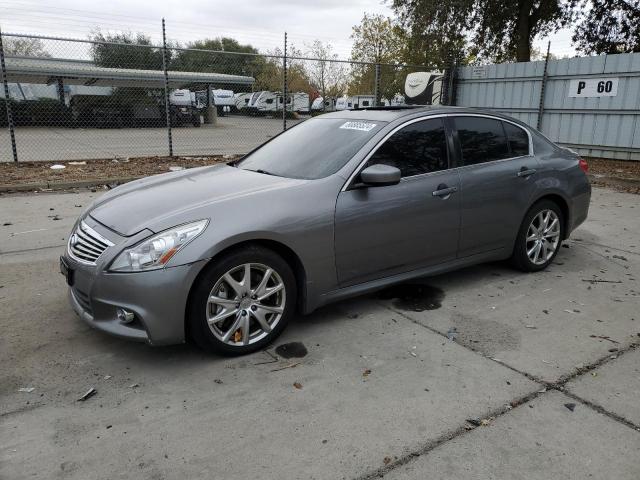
(265, 102)
(181, 98)
(342, 102)
(322, 105)
(242, 100)
(397, 101)
(423, 88)
(355, 101)
(223, 98)
(362, 101)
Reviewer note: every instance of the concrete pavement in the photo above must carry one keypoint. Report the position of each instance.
(525, 345)
(232, 134)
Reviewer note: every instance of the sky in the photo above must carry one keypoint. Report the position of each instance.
(259, 22)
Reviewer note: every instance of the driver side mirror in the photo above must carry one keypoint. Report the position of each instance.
(380, 175)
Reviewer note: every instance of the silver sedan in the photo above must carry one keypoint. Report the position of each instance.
(339, 205)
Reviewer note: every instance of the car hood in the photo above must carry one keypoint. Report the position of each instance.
(146, 203)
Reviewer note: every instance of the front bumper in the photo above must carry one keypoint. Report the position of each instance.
(158, 298)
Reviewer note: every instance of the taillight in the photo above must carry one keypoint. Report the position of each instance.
(584, 166)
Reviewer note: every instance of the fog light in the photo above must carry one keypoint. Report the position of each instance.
(125, 316)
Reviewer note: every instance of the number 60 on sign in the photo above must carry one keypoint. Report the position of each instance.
(593, 87)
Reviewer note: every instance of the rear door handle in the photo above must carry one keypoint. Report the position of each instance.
(526, 172)
(444, 191)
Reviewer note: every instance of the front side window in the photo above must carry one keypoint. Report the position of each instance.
(418, 148)
(518, 140)
(481, 140)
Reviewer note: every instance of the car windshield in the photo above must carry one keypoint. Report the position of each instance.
(313, 149)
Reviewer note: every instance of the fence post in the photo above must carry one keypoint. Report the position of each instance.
(284, 85)
(447, 93)
(167, 106)
(7, 102)
(542, 88)
(376, 87)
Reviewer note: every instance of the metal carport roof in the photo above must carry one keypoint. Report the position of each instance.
(77, 72)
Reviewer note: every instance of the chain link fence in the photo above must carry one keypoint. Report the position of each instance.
(72, 99)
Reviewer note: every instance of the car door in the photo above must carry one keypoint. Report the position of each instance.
(384, 230)
(497, 181)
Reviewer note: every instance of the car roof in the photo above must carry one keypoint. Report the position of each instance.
(389, 114)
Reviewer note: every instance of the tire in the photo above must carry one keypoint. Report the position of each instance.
(245, 323)
(529, 236)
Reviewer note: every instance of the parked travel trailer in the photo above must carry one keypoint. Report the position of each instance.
(265, 102)
(355, 101)
(396, 101)
(242, 100)
(423, 88)
(363, 101)
(341, 103)
(223, 98)
(183, 108)
(322, 105)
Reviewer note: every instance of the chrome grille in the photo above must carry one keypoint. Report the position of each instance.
(86, 245)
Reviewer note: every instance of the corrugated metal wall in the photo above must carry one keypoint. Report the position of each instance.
(607, 127)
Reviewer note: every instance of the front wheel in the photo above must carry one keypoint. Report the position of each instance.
(539, 238)
(242, 302)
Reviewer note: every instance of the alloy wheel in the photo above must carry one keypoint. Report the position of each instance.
(543, 237)
(246, 304)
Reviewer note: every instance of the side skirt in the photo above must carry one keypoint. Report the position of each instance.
(379, 284)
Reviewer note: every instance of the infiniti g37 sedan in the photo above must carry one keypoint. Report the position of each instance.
(339, 205)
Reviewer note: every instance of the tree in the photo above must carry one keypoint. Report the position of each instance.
(271, 77)
(125, 50)
(217, 55)
(430, 32)
(609, 26)
(501, 30)
(326, 75)
(376, 40)
(24, 47)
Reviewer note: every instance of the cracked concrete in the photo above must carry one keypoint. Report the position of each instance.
(525, 345)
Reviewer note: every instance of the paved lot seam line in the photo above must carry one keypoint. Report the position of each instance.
(583, 243)
(547, 386)
(603, 411)
(447, 436)
(8, 252)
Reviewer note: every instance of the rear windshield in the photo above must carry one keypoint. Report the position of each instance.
(313, 149)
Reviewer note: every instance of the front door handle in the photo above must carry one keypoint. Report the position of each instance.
(444, 191)
(526, 172)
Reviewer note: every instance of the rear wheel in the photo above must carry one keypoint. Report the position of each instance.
(242, 302)
(539, 238)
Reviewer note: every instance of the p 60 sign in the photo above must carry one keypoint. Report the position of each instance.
(593, 87)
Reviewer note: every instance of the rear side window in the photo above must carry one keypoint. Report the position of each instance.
(518, 140)
(416, 149)
(481, 140)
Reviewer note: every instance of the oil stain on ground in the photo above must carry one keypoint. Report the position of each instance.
(485, 335)
(413, 297)
(292, 350)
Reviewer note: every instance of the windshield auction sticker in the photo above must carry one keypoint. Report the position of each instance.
(362, 126)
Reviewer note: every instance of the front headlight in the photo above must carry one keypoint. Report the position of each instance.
(156, 251)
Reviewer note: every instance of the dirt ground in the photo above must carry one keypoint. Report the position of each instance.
(623, 176)
(620, 175)
(99, 170)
